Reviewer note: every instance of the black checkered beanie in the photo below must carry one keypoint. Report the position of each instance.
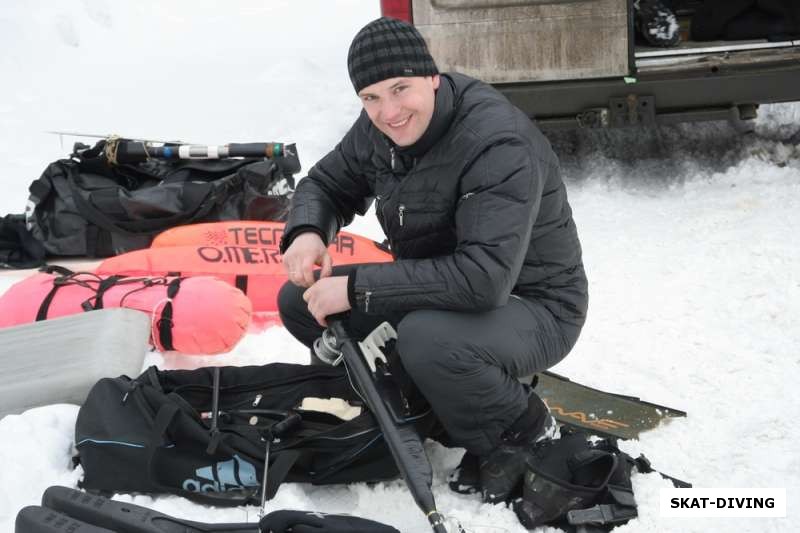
(388, 48)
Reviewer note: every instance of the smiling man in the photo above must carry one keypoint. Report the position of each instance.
(487, 284)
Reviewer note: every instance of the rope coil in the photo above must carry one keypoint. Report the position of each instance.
(112, 145)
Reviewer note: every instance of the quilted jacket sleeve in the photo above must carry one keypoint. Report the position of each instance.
(335, 189)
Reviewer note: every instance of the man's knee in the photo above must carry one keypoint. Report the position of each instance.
(416, 340)
(295, 316)
(428, 347)
(289, 297)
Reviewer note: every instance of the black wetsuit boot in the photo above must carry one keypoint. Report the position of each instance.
(502, 470)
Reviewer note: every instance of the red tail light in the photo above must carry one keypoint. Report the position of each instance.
(399, 9)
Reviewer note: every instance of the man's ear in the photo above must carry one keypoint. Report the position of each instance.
(436, 81)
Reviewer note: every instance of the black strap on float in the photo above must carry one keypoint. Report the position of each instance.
(58, 282)
(164, 323)
(44, 307)
(241, 283)
(61, 271)
(102, 287)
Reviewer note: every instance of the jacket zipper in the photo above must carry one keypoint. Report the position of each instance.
(424, 287)
(403, 212)
(391, 152)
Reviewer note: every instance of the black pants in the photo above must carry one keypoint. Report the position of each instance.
(466, 365)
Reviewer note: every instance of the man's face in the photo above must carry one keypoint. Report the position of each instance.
(401, 107)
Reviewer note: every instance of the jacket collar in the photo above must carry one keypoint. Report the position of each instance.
(443, 113)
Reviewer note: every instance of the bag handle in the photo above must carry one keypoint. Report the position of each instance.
(201, 207)
(278, 470)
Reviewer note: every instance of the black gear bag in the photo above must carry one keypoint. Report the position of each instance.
(18, 248)
(158, 433)
(86, 206)
(580, 484)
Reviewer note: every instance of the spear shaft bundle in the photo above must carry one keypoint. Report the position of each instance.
(119, 150)
(125, 151)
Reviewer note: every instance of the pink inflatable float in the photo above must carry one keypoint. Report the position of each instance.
(197, 315)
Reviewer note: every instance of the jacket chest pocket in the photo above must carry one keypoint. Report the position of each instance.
(411, 215)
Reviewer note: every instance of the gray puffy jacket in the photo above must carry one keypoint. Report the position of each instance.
(475, 211)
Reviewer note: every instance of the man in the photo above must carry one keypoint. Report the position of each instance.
(488, 283)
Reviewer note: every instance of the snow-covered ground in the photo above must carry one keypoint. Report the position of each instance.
(690, 239)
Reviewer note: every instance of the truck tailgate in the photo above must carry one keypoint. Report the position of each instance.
(506, 41)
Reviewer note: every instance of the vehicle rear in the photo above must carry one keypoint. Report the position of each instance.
(578, 63)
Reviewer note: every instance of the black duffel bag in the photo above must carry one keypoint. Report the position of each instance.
(18, 248)
(85, 206)
(156, 433)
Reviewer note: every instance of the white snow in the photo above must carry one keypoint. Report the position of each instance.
(690, 239)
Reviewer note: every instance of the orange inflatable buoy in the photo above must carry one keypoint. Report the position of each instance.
(244, 254)
(197, 315)
(346, 248)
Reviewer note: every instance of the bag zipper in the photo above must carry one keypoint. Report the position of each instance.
(246, 388)
(341, 462)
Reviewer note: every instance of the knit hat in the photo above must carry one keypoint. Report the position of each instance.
(388, 48)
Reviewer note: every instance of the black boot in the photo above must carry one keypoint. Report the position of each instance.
(502, 470)
(466, 478)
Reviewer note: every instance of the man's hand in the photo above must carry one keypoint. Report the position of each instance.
(327, 297)
(306, 251)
